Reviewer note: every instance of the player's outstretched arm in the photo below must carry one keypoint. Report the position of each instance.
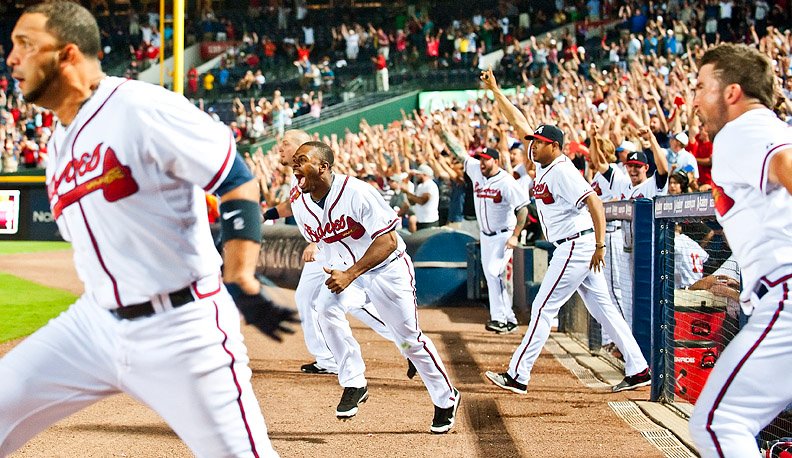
(378, 251)
(597, 212)
(282, 210)
(513, 114)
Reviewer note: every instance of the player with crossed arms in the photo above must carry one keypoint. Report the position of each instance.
(312, 278)
(752, 175)
(160, 326)
(573, 218)
(355, 227)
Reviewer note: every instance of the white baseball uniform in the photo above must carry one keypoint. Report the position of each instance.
(613, 240)
(496, 199)
(689, 259)
(353, 215)
(311, 282)
(560, 192)
(655, 185)
(749, 386)
(126, 182)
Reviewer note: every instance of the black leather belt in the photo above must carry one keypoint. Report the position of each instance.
(130, 312)
(490, 234)
(573, 237)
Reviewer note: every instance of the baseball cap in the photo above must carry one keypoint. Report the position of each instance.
(424, 169)
(548, 133)
(488, 153)
(682, 138)
(627, 146)
(637, 158)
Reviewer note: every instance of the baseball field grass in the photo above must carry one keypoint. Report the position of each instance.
(25, 305)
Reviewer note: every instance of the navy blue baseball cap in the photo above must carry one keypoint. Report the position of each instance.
(488, 153)
(548, 133)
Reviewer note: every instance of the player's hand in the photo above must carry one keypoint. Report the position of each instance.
(488, 78)
(262, 312)
(339, 280)
(512, 242)
(309, 253)
(597, 260)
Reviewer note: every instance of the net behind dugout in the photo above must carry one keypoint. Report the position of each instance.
(698, 285)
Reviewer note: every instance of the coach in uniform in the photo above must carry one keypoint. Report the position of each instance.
(573, 219)
(752, 176)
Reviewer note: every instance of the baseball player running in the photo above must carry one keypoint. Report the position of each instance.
(573, 218)
(313, 277)
(752, 175)
(155, 320)
(501, 210)
(349, 220)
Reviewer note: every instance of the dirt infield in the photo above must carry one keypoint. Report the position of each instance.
(559, 417)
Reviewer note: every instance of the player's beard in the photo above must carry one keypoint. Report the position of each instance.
(50, 76)
(718, 120)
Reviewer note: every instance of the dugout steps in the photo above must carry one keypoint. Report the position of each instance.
(661, 425)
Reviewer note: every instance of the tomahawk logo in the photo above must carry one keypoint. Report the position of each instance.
(115, 180)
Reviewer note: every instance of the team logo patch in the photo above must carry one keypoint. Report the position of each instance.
(488, 193)
(596, 187)
(294, 194)
(114, 180)
(336, 230)
(723, 203)
(541, 192)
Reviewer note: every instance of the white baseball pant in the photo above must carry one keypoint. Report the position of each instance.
(749, 385)
(189, 364)
(569, 271)
(494, 260)
(391, 289)
(311, 282)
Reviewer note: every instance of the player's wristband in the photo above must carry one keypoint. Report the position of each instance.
(272, 213)
(599, 247)
(240, 219)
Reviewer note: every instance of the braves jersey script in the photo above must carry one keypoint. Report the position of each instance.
(689, 259)
(754, 213)
(496, 198)
(354, 214)
(560, 193)
(132, 192)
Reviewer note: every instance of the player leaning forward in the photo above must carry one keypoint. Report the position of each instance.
(356, 230)
(129, 165)
(752, 175)
(573, 218)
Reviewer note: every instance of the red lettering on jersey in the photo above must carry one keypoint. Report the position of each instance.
(723, 203)
(596, 188)
(115, 181)
(333, 231)
(542, 193)
(488, 193)
(294, 194)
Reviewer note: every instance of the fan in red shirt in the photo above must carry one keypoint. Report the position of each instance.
(702, 149)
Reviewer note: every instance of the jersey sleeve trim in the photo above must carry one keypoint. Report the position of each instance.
(763, 178)
(388, 228)
(584, 196)
(219, 173)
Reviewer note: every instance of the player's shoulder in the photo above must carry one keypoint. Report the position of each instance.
(139, 93)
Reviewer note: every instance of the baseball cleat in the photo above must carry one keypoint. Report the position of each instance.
(632, 382)
(313, 368)
(510, 327)
(411, 370)
(350, 400)
(505, 381)
(496, 326)
(444, 418)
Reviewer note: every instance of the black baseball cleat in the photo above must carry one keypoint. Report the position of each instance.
(510, 327)
(350, 400)
(632, 382)
(411, 370)
(444, 418)
(313, 368)
(496, 326)
(505, 381)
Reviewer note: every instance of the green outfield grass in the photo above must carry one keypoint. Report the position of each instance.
(26, 306)
(13, 247)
